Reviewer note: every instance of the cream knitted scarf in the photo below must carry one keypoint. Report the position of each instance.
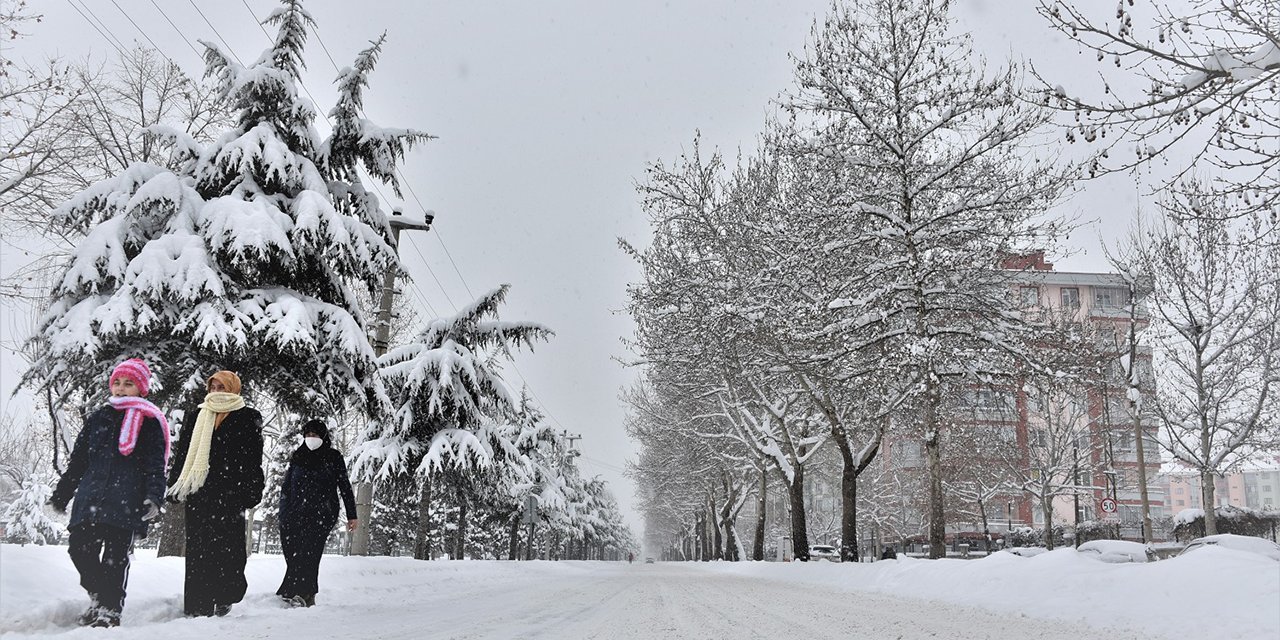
(196, 467)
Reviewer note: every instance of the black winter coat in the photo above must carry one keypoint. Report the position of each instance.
(310, 489)
(235, 481)
(110, 487)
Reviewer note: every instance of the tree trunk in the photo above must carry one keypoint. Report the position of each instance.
(713, 519)
(799, 530)
(1207, 489)
(173, 532)
(1046, 504)
(848, 506)
(762, 501)
(422, 541)
(728, 519)
(933, 451)
(700, 534)
(460, 540)
(513, 544)
(248, 531)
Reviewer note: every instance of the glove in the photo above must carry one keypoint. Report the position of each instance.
(60, 509)
(153, 511)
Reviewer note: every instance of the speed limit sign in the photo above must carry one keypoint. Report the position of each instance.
(1108, 505)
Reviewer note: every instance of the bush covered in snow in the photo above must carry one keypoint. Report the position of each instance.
(1189, 523)
(26, 519)
(1029, 537)
(1090, 530)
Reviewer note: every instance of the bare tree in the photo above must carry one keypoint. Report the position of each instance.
(947, 186)
(1196, 78)
(1216, 338)
(69, 125)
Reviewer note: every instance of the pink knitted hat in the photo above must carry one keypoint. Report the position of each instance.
(136, 370)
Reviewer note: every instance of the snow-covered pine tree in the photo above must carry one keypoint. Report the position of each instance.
(26, 518)
(444, 385)
(242, 257)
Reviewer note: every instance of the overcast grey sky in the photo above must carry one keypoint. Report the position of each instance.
(547, 112)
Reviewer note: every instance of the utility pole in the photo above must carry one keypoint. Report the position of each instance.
(381, 339)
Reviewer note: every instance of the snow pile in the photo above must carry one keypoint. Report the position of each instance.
(1166, 598)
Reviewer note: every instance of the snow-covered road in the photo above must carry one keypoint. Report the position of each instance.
(1059, 595)
(688, 601)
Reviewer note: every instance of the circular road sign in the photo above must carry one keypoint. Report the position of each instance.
(1108, 505)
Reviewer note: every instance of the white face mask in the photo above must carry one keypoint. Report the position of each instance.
(313, 443)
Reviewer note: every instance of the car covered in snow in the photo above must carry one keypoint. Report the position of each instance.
(824, 552)
(1260, 546)
(1117, 551)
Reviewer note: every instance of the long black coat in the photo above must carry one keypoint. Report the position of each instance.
(110, 487)
(308, 509)
(235, 481)
(311, 487)
(215, 520)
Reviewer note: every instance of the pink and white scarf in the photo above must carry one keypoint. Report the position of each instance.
(135, 411)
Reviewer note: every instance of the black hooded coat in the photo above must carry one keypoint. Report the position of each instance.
(309, 497)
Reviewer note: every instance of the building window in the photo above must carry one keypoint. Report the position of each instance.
(1112, 298)
(1177, 491)
(1180, 503)
(1029, 297)
(1266, 488)
(1070, 298)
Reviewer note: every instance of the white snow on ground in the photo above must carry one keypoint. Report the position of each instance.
(1213, 593)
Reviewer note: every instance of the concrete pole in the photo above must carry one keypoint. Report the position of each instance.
(381, 339)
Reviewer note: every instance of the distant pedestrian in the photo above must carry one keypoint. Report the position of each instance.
(220, 458)
(889, 554)
(315, 479)
(116, 473)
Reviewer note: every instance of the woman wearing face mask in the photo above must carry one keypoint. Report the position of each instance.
(317, 475)
(220, 458)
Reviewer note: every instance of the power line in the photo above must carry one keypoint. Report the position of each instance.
(144, 33)
(215, 32)
(256, 21)
(100, 31)
(433, 275)
(175, 28)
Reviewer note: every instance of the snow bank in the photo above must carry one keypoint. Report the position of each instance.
(1219, 594)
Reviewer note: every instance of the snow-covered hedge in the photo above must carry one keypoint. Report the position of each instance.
(1189, 523)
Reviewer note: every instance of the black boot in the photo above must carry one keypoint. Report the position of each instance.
(106, 618)
(89, 614)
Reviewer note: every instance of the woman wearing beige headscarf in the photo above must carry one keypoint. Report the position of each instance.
(217, 475)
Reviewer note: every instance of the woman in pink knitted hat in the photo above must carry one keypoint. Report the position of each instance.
(116, 475)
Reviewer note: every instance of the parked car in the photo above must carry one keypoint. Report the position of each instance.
(1117, 551)
(824, 552)
(1260, 546)
(648, 560)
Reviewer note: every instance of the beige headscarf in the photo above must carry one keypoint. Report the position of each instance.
(214, 409)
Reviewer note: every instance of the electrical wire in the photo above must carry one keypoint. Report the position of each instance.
(215, 32)
(144, 33)
(102, 33)
(175, 28)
